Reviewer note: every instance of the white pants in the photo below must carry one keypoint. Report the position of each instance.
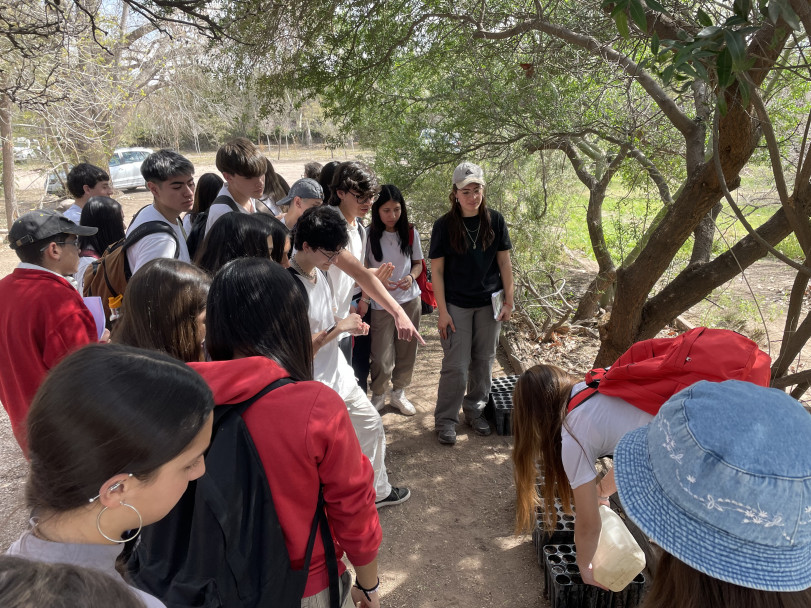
(368, 427)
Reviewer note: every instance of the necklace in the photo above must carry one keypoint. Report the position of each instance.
(473, 239)
(312, 275)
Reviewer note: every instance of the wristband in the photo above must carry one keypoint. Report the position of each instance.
(366, 300)
(366, 592)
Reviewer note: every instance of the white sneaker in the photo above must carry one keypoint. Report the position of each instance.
(399, 400)
(379, 401)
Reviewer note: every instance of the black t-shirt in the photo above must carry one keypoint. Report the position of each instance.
(470, 277)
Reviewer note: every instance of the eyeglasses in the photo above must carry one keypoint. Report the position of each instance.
(62, 243)
(331, 257)
(365, 198)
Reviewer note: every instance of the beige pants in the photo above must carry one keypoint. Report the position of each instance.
(392, 358)
(321, 599)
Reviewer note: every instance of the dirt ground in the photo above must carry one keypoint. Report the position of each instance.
(450, 545)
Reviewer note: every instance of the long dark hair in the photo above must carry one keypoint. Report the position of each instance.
(460, 242)
(104, 213)
(255, 308)
(279, 233)
(389, 193)
(108, 409)
(208, 187)
(677, 585)
(276, 187)
(160, 309)
(540, 399)
(234, 235)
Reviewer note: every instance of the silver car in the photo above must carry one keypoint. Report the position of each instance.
(125, 168)
(125, 171)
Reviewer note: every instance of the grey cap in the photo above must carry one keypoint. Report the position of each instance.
(468, 173)
(38, 225)
(303, 188)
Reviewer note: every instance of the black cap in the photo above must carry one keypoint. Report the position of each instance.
(38, 225)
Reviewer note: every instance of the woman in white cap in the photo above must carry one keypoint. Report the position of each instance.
(721, 481)
(473, 285)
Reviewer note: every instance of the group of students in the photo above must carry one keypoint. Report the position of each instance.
(115, 432)
(720, 478)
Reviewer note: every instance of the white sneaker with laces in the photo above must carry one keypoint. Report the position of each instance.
(399, 400)
(379, 401)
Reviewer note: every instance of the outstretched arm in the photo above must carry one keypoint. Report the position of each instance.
(371, 285)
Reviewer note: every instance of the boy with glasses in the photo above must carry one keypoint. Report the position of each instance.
(320, 238)
(43, 317)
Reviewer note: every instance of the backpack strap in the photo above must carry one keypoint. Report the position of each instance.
(224, 199)
(144, 230)
(593, 378)
(320, 518)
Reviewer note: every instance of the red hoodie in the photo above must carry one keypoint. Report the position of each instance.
(42, 319)
(304, 437)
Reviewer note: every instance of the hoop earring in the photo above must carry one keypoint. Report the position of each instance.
(120, 541)
(457, 200)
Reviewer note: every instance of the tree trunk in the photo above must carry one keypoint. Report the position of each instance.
(8, 160)
(704, 235)
(697, 281)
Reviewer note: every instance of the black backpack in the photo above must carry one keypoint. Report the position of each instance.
(222, 544)
(198, 224)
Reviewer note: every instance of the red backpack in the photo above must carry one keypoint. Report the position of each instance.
(426, 287)
(651, 371)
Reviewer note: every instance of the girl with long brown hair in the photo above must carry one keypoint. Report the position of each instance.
(565, 446)
(471, 269)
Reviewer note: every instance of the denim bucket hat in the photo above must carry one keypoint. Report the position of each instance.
(721, 480)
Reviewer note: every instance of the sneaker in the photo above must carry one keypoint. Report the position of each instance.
(399, 400)
(446, 437)
(480, 426)
(379, 401)
(395, 497)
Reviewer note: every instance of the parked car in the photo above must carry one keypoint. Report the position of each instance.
(125, 171)
(125, 167)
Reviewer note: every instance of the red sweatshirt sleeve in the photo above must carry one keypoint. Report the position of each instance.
(347, 477)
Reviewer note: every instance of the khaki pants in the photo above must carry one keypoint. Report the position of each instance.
(321, 599)
(467, 365)
(392, 358)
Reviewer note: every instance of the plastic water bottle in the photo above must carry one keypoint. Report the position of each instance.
(618, 558)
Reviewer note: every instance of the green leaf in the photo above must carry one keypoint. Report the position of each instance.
(703, 18)
(667, 74)
(654, 44)
(638, 14)
(745, 91)
(788, 14)
(701, 71)
(655, 6)
(621, 19)
(708, 31)
(722, 102)
(723, 67)
(742, 8)
(737, 48)
(734, 21)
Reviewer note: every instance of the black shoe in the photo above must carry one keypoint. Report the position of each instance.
(480, 426)
(395, 497)
(447, 437)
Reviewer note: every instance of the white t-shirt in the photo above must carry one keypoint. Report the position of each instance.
(215, 212)
(73, 213)
(84, 262)
(343, 286)
(598, 424)
(390, 248)
(156, 245)
(329, 365)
